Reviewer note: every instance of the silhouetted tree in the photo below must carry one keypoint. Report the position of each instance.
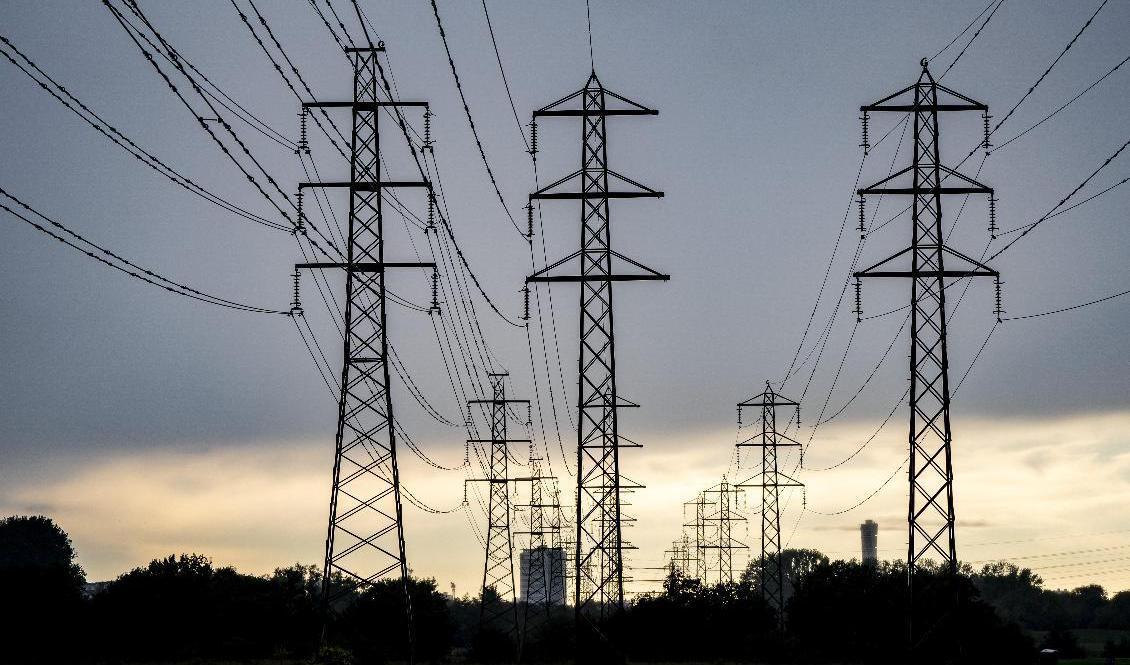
(373, 626)
(41, 614)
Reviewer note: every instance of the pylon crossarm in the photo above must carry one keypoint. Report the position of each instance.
(764, 435)
(360, 106)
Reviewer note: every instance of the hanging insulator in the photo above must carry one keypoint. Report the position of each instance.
(985, 142)
(464, 493)
(530, 222)
(526, 302)
(301, 227)
(428, 144)
(303, 144)
(798, 419)
(434, 309)
(431, 227)
(530, 420)
(296, 306)
(803, 492)
(993, 228)
(466, 455)
(858, 311)
(862, 217)
(999, 309)
(533, 140)
(739, 418)
(866, 142)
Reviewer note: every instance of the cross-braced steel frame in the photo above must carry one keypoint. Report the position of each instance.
(930, 512)
(771, 480)
(724, 517)
(498, 609)
(365, 533)
(598, 563)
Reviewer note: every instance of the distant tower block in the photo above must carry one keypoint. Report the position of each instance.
(869, 535)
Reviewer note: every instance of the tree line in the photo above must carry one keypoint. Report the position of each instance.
(182, 607)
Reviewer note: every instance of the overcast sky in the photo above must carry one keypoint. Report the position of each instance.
(147, 423)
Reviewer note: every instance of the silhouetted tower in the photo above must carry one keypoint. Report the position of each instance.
(543, 557)
(365, 535)
(600, 544)
(679, 557)
(772, 479)
(702, 537)
(723, 520)
(498, 609)
(931, 508)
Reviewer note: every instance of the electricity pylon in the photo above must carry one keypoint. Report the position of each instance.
(498, 609)
(931, 507)
(772, 479)
(543, 557)
(679, 558)
(701, 535)
(725, 516)
(365, 535)
(599, 543)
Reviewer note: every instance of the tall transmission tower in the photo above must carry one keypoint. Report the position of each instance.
(544, 567)
(598, 563)
(930, 513)
(771, 481)
(498, 609)
(365, 534)
(701, 534)
(723, 520)
(679, 557)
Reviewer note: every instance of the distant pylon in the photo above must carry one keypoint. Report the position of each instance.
(599, 562)
(365, 533)
(543, 557)
(724, 517)
(930, 514)
(771, 480)
(702, 537)
(498, 608)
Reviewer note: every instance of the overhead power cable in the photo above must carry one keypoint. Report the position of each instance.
(471, 120)
(1067, 309)
(117, 262)
(76, 106)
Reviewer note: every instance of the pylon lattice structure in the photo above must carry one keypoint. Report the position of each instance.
(930, 513)
(771, 480)
(498, 609)
(598, 562)
(365, 534)
(544, 565)
(679, 557)
(702, 536)
(721, 523)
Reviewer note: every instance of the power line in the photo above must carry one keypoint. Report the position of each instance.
(118, 138)
(1068, 103)
(471, 120)
(1067, 309)
(108, 258)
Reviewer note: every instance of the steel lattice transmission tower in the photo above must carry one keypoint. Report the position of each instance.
(701, 534)
(598, 564)
(365, 535)
(498, 609)
(932, 262)
(724, 517)
(771, 480)
(544, 561)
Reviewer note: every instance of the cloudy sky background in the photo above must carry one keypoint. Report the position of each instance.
(147, 424)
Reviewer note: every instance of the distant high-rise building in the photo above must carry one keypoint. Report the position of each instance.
(869, 535)
(554, 558)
